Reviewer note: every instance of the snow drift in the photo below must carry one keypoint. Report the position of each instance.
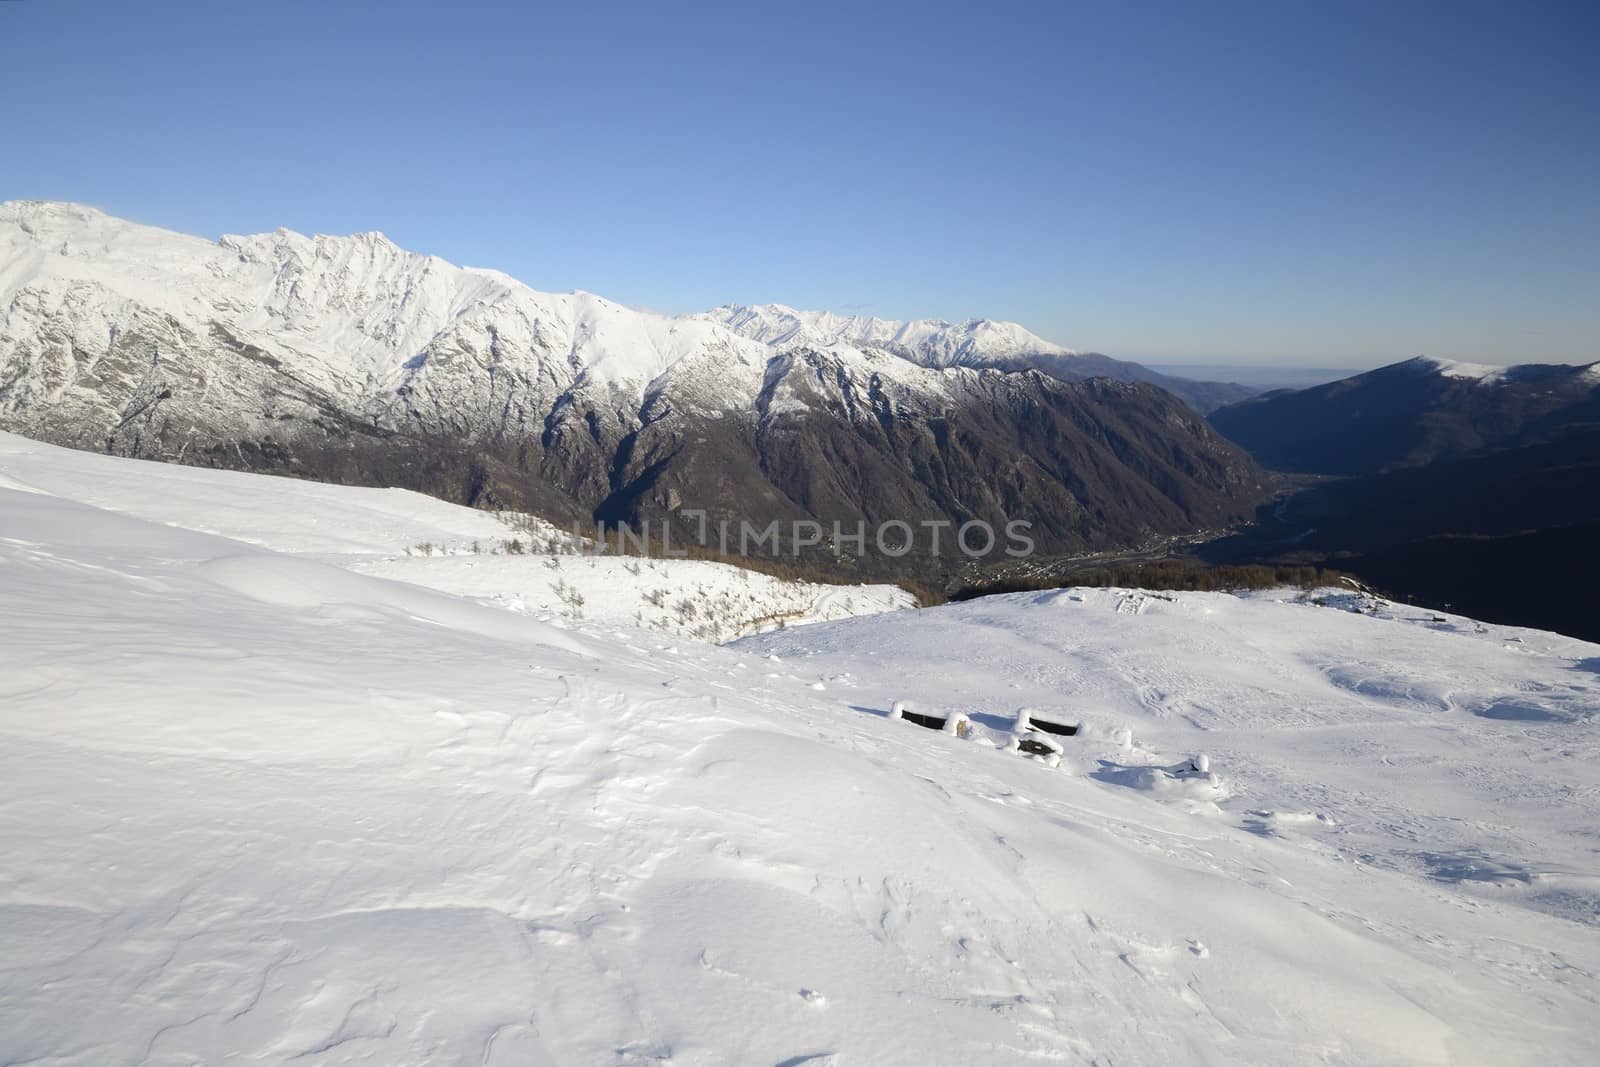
(255, 805)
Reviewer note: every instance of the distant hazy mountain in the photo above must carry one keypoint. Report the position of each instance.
(1463, 486)
(976, 343)
(1412, 413)
(351, 359)
(1253, 376)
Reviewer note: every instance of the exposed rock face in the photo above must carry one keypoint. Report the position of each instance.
(349, 359)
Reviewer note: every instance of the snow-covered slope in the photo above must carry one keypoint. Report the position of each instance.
(254, 806)
(509, 560)
(1464, 754)
(1453, 368)
(1549, 374)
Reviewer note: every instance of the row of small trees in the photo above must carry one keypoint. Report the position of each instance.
(1168, 574)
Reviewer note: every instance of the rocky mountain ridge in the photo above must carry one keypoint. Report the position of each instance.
(350, 359)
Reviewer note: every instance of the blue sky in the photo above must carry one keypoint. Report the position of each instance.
(1296, 182)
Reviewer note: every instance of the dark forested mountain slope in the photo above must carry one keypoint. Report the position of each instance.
(1412, 413)
(1507, 536)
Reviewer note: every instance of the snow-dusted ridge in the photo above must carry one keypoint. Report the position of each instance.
(369, 313)
(1480, 372)
(930, 342)
(365, 312)
(1488, 374)
(974, 343)
(257, 806)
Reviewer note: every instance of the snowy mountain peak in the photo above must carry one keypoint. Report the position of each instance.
(1451, 368)
(362, 310)
(358, 312)
(79, 231)
(32, 215)
(931, 342)
(357, 307)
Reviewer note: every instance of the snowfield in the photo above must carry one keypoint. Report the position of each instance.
(393, 533)
(257, 805)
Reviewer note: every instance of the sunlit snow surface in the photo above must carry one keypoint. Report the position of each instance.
(930, 342)
(1480, 372)
(393, 533)
(259, 807)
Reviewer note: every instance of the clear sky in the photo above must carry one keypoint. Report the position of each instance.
(1313, 183)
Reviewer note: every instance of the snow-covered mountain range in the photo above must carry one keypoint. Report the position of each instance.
(351, 359)
(373, 315)
(361, 318)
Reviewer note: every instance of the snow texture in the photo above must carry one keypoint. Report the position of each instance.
(256, 805)
(1478, 372)
(510, 561)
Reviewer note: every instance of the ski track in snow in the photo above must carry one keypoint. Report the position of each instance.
(260, 805)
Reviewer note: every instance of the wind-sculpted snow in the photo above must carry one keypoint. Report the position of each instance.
(255, 806)
(1395, 736)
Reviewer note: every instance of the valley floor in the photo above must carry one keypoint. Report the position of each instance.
(257, 804)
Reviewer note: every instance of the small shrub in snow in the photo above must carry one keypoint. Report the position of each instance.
(569, 596)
